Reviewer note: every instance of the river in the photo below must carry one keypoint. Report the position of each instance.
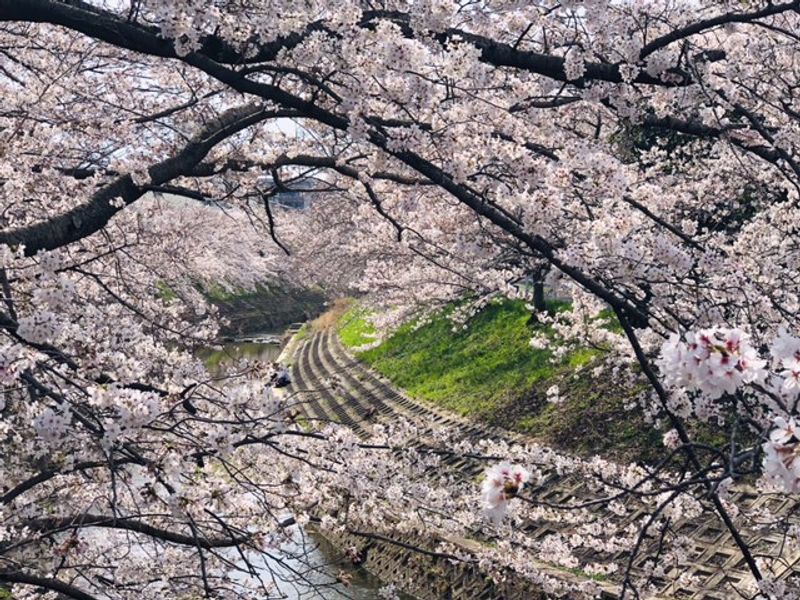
(233, 351)
(320, 561)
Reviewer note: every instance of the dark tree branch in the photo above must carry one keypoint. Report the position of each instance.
(265, 197)
(550, 66)
(663, 396)
(55, 585)
(129, 524)
(107, 26)
(706, 24)
(89, 218)
(504, 55)
(416, 162)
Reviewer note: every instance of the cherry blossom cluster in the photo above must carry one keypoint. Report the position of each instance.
(637, 160)
(712, 361)
(502, 483)
(781, 453)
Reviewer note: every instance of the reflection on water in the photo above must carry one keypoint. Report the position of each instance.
(308, 567)
(231, 352)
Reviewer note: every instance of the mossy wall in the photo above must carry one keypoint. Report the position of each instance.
(266, 308)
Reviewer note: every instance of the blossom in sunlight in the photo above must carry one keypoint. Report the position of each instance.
(553, 395)
(503, 482)
(539, 342)
(791, 374)
(785, 431)
(781, 452)
(51, 425)
(672, 439)
(389, 592)
(714, 361)
(785, 346)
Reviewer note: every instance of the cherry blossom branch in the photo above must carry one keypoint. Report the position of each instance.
(627, 583)
(655, 382)
(271, 92)
(90, 217)
(706, 24)
(47, 583)
(505, 55)
(108, 27)
(51, 525)
(48, 474)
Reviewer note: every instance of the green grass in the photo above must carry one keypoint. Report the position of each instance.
(592, 419)
(581, 573)
(219, 293)
(470, 371)
(353, 328)
(489, 372)
(610, 321)
(304, 332)
(167, 295)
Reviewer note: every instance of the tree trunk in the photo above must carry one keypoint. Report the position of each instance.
(538, 297)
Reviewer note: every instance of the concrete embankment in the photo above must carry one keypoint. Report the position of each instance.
(362, 398)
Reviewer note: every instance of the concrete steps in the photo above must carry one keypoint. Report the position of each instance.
(362, 397)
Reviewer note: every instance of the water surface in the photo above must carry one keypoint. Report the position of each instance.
(310, 565)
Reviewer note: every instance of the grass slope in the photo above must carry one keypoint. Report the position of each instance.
(470, 371)
(353, 329)
(488, 371)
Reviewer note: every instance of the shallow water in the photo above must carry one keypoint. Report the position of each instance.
(233, 351)
(310, 564)
(319, 564)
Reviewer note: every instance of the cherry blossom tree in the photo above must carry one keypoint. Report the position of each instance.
(639, 156)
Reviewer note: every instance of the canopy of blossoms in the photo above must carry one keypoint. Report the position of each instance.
(640, 157)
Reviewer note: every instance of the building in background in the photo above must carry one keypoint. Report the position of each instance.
(296, 195)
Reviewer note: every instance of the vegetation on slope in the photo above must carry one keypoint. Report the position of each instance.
(265, 308)
(489, 371)
(353, 328)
